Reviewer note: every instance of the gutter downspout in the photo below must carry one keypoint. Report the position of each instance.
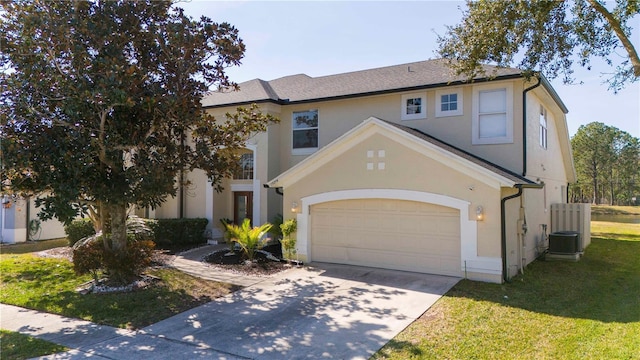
(503, 231)
(524, 125)
(503, 223)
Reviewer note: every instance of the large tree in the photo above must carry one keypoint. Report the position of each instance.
(549, 36)
(607, 163)
(100, 104)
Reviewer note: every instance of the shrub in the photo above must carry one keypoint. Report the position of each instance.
(249, 238)
(122, 268)
(90, 256)
(178, 231)
(289, 242)
(276, 231)
(79, 229)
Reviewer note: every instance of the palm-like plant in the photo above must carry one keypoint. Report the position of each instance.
(249, 238)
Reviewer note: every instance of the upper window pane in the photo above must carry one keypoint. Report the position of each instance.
(494, 101)
(305, 119)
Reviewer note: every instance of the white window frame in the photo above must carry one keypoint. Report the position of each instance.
(423, 106)
(544, 132)
(460, 102)
(475, 123)
(304, 151)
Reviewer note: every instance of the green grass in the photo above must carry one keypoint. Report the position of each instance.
(614, 210)
(588, 309)
(49, 285)
(14, 346)
(32, 246)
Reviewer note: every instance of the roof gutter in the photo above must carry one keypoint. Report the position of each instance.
(362, 94)
(503, 223)
(524, 124)
(278, 189)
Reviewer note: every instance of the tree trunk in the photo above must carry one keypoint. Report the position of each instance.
(117, 214)
(96, 216)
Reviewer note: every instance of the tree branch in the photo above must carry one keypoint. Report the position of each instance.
(615, 25)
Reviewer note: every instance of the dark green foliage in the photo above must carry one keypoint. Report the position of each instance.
(88, 258)
(102, 107)
(178, 231)
(276, 231)
(126, 266)
(607, 162)
(546, 37)
(121, 268)
(79, 229)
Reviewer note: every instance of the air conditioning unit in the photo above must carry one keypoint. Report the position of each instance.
(564, 242)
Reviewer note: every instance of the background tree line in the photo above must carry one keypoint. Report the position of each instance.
(607, 162)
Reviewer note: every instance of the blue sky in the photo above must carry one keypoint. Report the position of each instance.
(329, 37)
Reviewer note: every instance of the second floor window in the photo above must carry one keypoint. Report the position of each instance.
(492, 121)
(543, 127)
(305, 131)
(414, 106)
(245, 172)
(449, 102)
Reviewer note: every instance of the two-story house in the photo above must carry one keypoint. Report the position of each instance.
(402, 167)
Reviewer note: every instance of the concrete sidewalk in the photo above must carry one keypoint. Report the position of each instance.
(317, 311)
(89, 340)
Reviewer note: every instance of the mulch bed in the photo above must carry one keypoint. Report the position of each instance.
(268, 261)
(263, 265)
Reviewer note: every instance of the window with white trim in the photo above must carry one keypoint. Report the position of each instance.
(414, 106)
(543, 127)
(492, 114)
(304, 132)
(245, 171)
(449, 102)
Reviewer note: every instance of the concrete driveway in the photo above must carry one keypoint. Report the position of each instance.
(312, 312)
(319, 311)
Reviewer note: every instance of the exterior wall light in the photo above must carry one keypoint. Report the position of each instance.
(294, 207)
(479, 213)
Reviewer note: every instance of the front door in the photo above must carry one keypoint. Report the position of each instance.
(242, 206)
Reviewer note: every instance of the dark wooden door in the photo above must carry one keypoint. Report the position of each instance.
(242, 206)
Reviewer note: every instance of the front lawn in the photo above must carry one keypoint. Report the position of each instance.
(14, 346)
(32, 246)
(557, 310)
(49, 285)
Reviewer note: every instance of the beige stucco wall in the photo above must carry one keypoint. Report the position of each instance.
(51, 229)
(339, 116)
(406, 169)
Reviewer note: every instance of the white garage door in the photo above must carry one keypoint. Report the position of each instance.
(391, 234)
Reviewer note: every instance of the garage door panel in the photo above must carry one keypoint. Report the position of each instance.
(394, 234)
(399, 261)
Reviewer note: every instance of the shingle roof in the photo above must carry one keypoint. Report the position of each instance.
(301, 87)
(464, 154)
